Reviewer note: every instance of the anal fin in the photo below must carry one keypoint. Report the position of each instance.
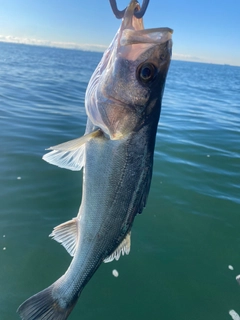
(67, 234)
(123, 248)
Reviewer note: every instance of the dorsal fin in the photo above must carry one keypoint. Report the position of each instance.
(70, 154)
(123, 248)
(67, 234)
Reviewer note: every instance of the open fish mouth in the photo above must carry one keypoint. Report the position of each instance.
(132, 39)
(154, 36)
(132, 32)
(142, 40)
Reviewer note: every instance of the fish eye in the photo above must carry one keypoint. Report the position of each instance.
(146, 72)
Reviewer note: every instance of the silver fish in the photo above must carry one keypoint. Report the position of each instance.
(123, 103)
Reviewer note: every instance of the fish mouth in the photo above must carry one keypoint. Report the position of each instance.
(131, 23)
(132, 33)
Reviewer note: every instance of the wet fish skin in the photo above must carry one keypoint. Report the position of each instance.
(132, 105)
(118, 161)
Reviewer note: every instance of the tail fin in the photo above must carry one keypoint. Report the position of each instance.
(42, 306)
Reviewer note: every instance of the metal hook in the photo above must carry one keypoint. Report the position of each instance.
(139, 14)
(119, 14)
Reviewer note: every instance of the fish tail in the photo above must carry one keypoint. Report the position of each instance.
(43, 306)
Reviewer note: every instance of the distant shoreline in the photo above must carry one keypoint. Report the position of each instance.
(99, 49)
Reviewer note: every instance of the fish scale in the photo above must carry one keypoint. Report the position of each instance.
(123, 104)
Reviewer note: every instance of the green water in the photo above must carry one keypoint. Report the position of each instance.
(187, 237)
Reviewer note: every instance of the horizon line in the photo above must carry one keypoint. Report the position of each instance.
(97, 48)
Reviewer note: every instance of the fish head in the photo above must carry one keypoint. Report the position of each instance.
(126, 89)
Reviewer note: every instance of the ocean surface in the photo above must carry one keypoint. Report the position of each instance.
(185, 252)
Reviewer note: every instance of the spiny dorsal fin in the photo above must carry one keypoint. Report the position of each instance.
(123, 248)
(67, 234)
(70, 154)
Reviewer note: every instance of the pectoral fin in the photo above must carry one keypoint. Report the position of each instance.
(67, 234)
(70, 155)
(123, 248)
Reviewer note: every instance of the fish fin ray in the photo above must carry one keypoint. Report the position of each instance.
(123, 248)
(67, 235)
(43, 306)
(70, 154)
(71, 160)
(76, 143)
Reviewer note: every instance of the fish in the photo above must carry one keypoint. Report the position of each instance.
(123, 103)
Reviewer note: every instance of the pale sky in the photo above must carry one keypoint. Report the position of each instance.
(204, 30)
